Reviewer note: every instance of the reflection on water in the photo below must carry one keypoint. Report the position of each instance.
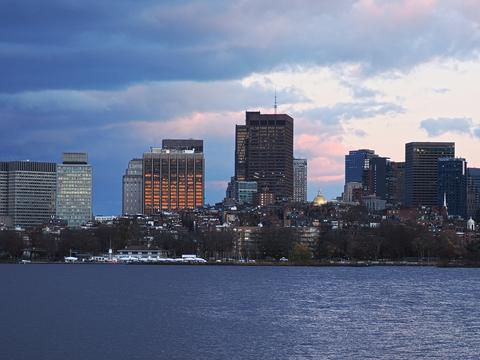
(220, 312)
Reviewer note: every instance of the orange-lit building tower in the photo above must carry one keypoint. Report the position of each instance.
(173, 179)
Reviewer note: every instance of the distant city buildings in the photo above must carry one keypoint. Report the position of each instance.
(27, 192)
(421, 171)
(74, 189)
(132, 188)
(300, 180)
(174, 176)
(264, 154)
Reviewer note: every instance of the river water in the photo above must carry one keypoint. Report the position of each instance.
(238, 312)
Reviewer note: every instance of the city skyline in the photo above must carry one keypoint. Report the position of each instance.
(84, 76)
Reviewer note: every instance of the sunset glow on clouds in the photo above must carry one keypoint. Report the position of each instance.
(114, 78)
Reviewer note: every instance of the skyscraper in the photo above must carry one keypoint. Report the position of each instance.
(173, 179)
(264, 153)
(356, 162)
(473, 192)
(421, 171)
(375, 177)
(452, 185)
(396, 183)
(132, 189)
(300, 180)
(27, 192)
(74, 189)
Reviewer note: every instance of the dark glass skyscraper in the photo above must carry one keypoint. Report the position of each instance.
(421, 171)
(473, 192)
(452, 185)
(356, 162)
(375, 177)
(264, 153)
(396, 183)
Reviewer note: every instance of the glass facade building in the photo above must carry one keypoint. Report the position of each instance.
(452, 185)
(356, 162)
(74, 189)
(245, 191)
(173, 180)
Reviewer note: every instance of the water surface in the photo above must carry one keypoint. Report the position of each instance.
(228, 312)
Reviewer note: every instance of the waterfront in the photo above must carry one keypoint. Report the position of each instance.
(218, 312)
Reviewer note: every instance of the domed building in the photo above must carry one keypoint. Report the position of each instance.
(319, 200)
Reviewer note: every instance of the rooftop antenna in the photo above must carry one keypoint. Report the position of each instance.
(275, 104)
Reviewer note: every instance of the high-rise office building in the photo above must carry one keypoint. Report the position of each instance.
(3, 189)
(421, 171)
(356, 163)
(300, 180)
(264, 153)
(27, 192)
(473, 192)
(396, 183)
(173, 179)
(452, 185)
(375, 177)
(74, 189)
(132, 188)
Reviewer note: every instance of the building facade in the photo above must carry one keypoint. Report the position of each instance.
(264, 153)
(396, 183)
(473, 193)
(356, 163)
(421, 171)
(173, 180)
(183, 144)
(350, 190)
(375, 177)
(300, 180)
(27, 192)
(452, 185)
(132, 188)
(74, 189)
(245, 192)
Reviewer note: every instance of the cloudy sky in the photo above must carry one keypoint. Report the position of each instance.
(114, 77)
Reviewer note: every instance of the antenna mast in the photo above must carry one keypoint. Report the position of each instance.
(275, 104)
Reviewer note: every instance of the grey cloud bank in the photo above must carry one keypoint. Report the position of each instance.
(85, 75)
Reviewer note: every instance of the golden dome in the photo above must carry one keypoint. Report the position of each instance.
(319, 200)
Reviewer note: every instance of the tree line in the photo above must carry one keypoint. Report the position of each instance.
(390, 241)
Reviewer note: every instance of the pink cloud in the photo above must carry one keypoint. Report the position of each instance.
(196, 125)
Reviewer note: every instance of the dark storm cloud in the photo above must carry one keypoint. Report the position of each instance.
(103, 44)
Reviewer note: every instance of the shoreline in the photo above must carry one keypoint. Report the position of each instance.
(440, 264)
